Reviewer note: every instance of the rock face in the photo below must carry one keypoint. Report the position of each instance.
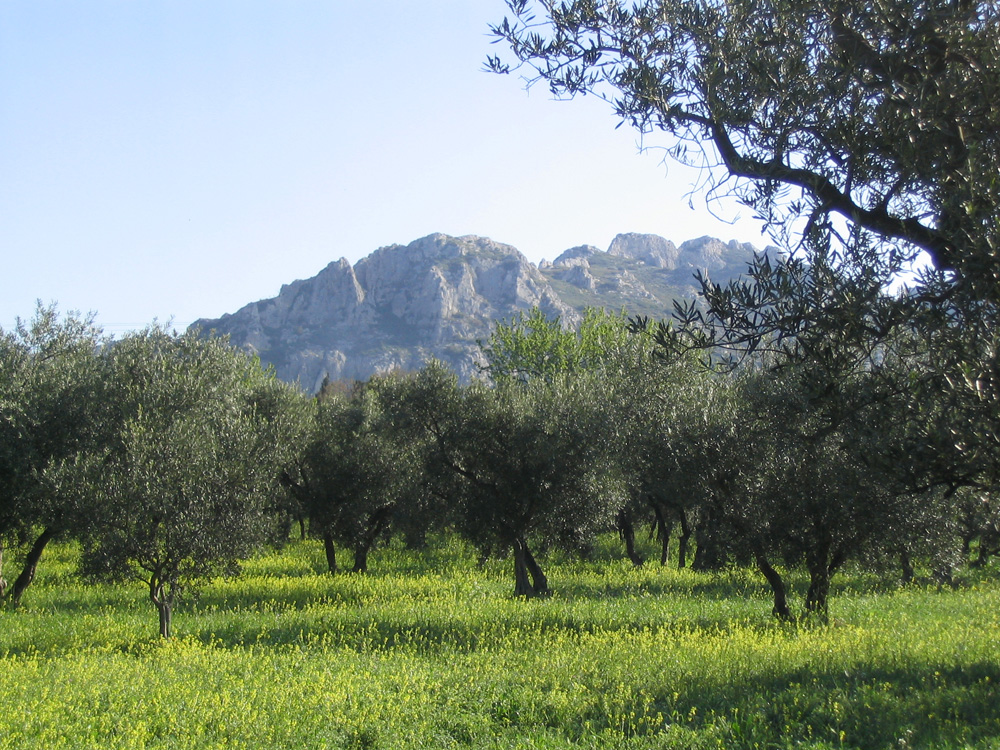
(439, 295)
(644, 273)
(650, 249)
(395, 309)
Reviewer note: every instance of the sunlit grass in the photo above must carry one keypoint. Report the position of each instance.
(430, 650)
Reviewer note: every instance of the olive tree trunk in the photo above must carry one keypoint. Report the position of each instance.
(529, 579)
(780, 608)
(361, 558)
(331, 552)
(378, 523)
(162, 596)
(626, 531)
(822, 566)
(663, 530)
(31, 565)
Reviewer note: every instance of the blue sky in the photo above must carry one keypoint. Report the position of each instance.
(170, 159)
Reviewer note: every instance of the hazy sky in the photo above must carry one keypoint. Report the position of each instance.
(174, 159)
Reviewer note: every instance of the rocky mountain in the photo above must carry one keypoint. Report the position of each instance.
(644, 273)
(439, 295)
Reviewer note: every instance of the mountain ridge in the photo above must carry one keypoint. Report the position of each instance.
(439, 295)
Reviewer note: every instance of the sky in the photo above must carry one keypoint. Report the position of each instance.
(172, 160)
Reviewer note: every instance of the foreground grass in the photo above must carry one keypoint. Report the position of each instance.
(430, 652)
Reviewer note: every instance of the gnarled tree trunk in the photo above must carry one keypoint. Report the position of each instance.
(361, 558)
(529, 580)
(780, 608)
(663, 529)
(821, 566)
(626, 531)
(378, 523)
(162, 597)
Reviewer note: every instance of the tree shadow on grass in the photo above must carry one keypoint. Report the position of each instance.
(871, 708)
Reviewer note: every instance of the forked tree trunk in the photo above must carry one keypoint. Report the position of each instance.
(166, 616)
(529, 580)
(376, 525)
(31, 565)
(780, 608)
(663, 529)
(627, 533)
(665, 532)
(361, 558)
(164, 603)
(821, 568)
(331, 552)
(538, 579)
(522, 586)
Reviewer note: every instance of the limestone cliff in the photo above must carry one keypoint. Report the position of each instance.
(395, 309)
(439, 295)
(644, 273)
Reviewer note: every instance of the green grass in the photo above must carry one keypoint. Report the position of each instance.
(429, 651)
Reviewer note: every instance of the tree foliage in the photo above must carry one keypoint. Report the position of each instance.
(187, 487)
(53, 405)
(865, 135)
(532, 345)
(883, 113)
(519, 465)
(358, 472)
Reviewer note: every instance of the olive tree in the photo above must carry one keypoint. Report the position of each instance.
(604, 348)
(189, 484)
(826, 370)
(863, 134)
(532, 345)
(52, 407)
(358, 471)
(519, 465)
(882, 113)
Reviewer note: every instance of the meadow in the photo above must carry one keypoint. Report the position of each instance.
(430, 651)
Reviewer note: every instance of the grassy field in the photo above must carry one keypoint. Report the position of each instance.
(428, 651)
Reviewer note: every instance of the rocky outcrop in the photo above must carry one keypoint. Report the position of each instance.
(649, 249)
(439, 295)
(395, 309)
(643, 273)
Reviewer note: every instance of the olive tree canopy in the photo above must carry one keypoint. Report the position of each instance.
(883, 112)
(189, 485)
(866, 135)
